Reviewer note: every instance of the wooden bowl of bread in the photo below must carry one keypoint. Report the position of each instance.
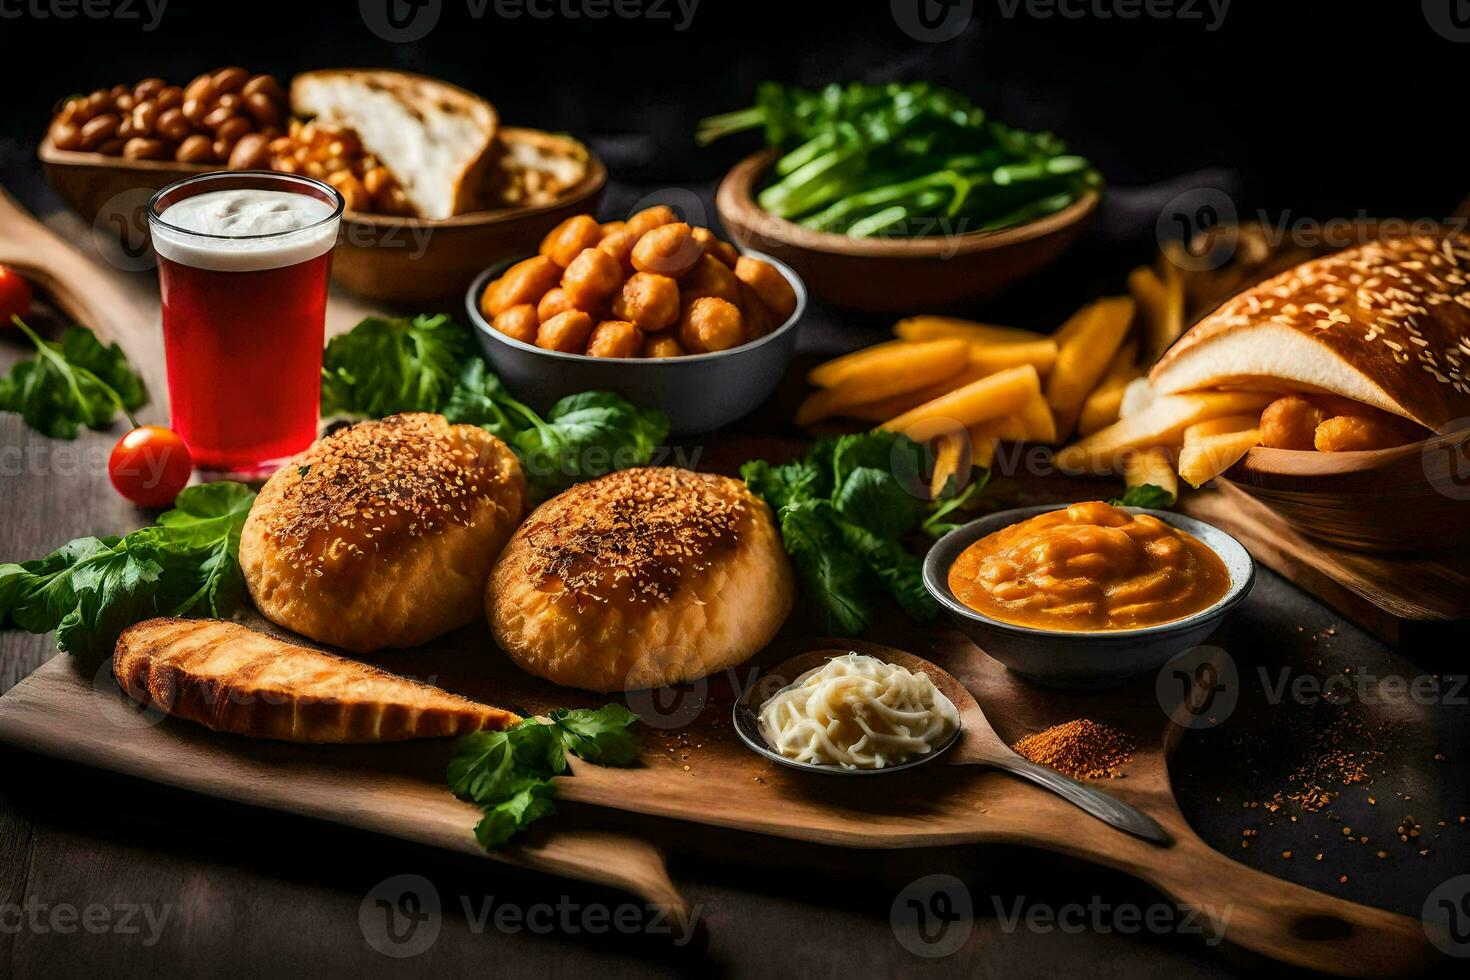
(436, 188)
(897, 275)
(1368, 445)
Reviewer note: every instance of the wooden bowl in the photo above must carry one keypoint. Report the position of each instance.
(1409, 498)
(382, 257)
(897, 275)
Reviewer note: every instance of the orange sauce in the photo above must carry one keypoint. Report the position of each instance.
(1090, 567)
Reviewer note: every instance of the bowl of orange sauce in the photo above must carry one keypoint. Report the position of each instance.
(1088, 594)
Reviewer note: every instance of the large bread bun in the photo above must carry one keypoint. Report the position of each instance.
(1386, 324)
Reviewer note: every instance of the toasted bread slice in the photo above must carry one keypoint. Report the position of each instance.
(436, 138)
(233, 679)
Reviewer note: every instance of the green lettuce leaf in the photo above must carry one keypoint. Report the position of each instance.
(71, 383)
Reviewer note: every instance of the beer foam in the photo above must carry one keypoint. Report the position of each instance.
(244, 230)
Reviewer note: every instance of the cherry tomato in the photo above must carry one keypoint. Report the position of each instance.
(15, 295)
(150, 465)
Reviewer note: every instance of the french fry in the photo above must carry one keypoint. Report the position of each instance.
(1040, 425)
(1151, 467)
(935, 327)
(887, 408)
(948, 458)
(997, 357)
(893, 356)
(904, 370)
(1102, 406)
(1206, 453)
(990, 397)
(1222, 426)
(1160, 425)
(1171, 328)
(1090, 340)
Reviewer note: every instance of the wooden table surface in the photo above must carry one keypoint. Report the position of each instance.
(101, 874)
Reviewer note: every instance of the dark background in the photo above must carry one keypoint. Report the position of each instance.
(1319, 109)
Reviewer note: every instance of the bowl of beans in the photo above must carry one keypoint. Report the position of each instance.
(668, 315)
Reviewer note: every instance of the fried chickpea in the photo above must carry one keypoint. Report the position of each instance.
(663, 344)
(524, 282)
(648, 300)
(564, 242)
(1290, 423)
(769, 285)
(648, 219)
(565, 332)
(612, 227)
(591, 277)
(555, 301)
(519, 322)
(711, 324)
(710, 277)
(1351, 433)
(619, 244)
(712, 245)
(757, 318)
(615, 338)
(668, 250)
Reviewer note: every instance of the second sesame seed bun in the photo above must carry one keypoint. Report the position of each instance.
(641, 578)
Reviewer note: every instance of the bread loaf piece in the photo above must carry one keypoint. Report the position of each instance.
(1386, 324)
(233, 679)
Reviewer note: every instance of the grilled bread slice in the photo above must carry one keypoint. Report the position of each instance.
(436, 138)
(233, 679)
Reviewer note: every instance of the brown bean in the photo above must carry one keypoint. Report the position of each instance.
(555, 301)
(72, 111)
(172, 125)
(711, 324)
(519, 322)
(651, 301)
(263, 109)
(565, 332)
(145, 116)
(710, 277)
(124, 102)
(564, 242)
(127, 129)
(525, 282)
(201, 89)
(663, 344)
(66, 136)
(772, 287)
(139, 148)
(217, 117)
(110, 148)
(170, 97)
(148, 88)
(252, 152)
(118, 89)
(98, 130)
(668, 250)
(231, 100)
(232, 129)
(99, 102)
(615, 338)
(195, 110)
(195, 149)
(591, 278)
(230, 79)
(265, 85)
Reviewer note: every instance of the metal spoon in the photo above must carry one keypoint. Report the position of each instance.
(973, 743)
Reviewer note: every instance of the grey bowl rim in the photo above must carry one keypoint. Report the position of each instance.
(472, 307)
(936, 582)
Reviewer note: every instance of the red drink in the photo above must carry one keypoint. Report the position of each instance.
(243, 267)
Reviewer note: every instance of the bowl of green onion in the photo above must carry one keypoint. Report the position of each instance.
(900, 197)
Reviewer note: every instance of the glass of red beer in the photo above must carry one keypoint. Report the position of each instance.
(243, 262)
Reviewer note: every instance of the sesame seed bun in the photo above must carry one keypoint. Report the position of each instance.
(383, 534)
(641, 578)
(1386, 324)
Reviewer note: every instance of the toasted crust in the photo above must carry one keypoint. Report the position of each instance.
(1386, 324)
(233, 679)
(383, 534)
(642, 578)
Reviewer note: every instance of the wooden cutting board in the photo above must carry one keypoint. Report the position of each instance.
(1409, 600)
(696, 770)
